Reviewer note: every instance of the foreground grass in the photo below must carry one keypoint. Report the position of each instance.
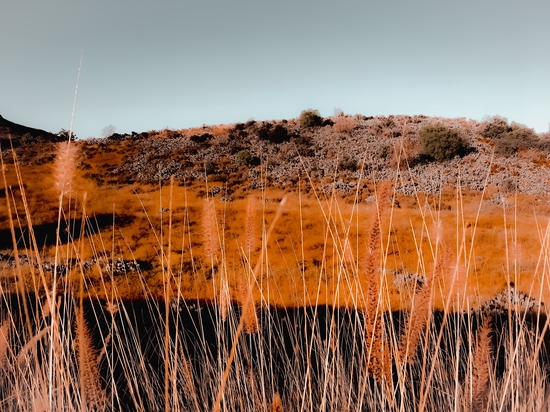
(69, 342)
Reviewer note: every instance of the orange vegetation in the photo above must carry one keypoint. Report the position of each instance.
(314, 255)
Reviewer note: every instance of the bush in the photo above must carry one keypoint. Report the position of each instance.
(344, 124)
(510, 138)
(517, 138)
(495, 128)
(348, 164)
(441, 143)
(243, 158)
(277, 134)
(310, 118)
(304, 146)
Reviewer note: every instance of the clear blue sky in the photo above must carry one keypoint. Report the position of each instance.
(179, 63)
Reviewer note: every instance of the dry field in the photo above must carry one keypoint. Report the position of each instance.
(139, 229)
(216, 282)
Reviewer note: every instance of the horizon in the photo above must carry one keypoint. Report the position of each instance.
(181, 65)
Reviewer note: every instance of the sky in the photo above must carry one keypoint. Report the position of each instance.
(144, 65)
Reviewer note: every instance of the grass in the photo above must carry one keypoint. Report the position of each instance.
(277, 301)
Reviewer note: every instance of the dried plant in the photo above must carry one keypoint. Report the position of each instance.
(481, 366)
(378, 354)
(250, 227)
(91, 392)
(344, 124)
(4, 342)
(211, 241)
(420, 312)
(248, 307)
(66, 157)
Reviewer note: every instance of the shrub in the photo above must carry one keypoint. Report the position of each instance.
(441, 143)
(277, 134)
(304, 146)
(310, 118)
(517, 138)
(201, 138)
(243, 158)
(510, 138)
(348, 164)
(495, 128)
(402, 155)
(344, 124)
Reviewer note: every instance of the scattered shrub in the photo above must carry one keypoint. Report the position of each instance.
(277, 134)
(518, 137)
(304, 146)
(344, 124)
(495, 128)
(63, 135)
(441, 143)
(348, 164)
(509, 185)
(402, 155)
(201, 138)
(510, 138)
(243, 158)
(310, 118)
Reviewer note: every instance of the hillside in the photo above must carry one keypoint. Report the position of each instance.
(21, 135)
(478, 219)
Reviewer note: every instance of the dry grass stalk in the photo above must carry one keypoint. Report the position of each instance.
(403, 154)
(250, 227)
(224, 297)
(348, 252)
(420, 311)
(209, 228)
(277, 403)
(91, 392)
(65, 166)
(480, 365)
(248, 307)
(378, 354)
(4, 342)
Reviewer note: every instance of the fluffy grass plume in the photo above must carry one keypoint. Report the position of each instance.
(91, 392)
(378, 354)
(481, 366)
(211, 241)
(64, 167)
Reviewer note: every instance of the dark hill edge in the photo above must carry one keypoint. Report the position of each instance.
(21, 135)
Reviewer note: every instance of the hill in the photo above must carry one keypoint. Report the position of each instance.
(21, 135)
(193, 203)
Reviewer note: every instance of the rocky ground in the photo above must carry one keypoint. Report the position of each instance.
(337, 155)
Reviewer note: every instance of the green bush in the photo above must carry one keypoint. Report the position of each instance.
(243, 158)
(518, 137)
(348, 164)
(310, 118)
(496, 128)
(442, 143)
(509, 138)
